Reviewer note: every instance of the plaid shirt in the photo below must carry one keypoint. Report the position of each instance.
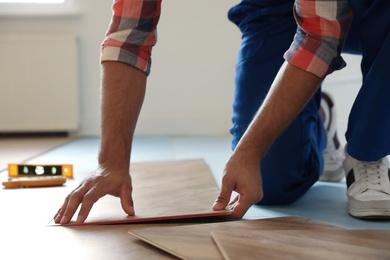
(132, 33)
(322, 28)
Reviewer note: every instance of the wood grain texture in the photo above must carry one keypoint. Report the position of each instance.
(162, 190)
(304, 244)
(196, 242)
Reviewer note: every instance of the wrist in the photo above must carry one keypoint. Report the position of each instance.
(111, 161)
(247, 155)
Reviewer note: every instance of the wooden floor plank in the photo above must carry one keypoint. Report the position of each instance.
(304, 244)
(196, 242)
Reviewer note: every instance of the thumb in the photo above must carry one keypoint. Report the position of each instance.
(224, 197)
(127, 202)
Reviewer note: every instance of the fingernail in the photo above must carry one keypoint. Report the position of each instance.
(63, 220)
(217, 205)
(57, 218)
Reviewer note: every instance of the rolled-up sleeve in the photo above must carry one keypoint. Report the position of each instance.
(322, 28)
(132, 33)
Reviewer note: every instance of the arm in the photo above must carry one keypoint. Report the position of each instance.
(314, 53)
(126, 59)
(123, 90)
(290, 91)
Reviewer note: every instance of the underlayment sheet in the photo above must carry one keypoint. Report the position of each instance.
(304, 244)
(196, 241)
(161, 191)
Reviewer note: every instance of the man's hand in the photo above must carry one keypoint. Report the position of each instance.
(97, 185)
(289, 93)
(123, 91)
(243, 176)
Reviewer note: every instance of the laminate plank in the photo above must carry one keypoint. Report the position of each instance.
(162, 190)
(196, 242)
(304, 244)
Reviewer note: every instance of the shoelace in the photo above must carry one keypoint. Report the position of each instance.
(373, 172)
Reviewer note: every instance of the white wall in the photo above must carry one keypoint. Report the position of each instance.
(191, 86)
(90, 27)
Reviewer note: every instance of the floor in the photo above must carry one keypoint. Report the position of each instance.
(324, 202)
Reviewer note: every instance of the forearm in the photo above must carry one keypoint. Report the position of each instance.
(123, 91)
(289, 93)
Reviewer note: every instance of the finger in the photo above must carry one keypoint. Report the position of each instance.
(240, 206)
(74, 200)
(60, 213)
(87, 203)
(224, 197)
(233, 201)
(127, 202)
(58, 216)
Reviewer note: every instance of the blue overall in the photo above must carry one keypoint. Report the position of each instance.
(295, 161)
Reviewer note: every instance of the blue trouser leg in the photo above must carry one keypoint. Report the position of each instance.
(295, 161)
(368, 133)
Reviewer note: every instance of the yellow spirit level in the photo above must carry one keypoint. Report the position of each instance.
(34, 170)
(34, 175)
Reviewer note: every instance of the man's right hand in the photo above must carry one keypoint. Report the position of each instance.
(123, 91)
(98, 184)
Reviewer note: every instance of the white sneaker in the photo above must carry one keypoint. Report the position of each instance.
(333, 154)
(368, 188)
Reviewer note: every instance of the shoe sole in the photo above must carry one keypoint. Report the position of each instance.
(369, 215)
(369, 210)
